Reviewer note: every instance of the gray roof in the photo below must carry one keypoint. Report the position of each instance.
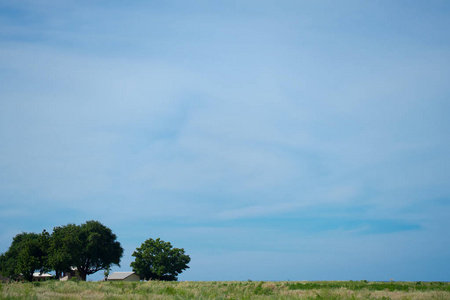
(120, 275)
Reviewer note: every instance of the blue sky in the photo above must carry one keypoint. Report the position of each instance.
(272, 140)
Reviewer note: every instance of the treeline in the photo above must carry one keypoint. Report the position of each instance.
(88, 248)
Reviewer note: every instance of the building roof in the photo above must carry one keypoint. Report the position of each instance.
(37, 274)
(120, 275)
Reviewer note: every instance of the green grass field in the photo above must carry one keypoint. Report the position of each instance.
(226, 290)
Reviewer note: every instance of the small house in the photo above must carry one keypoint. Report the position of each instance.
(124, 276)
(67, 275)
(41, 276)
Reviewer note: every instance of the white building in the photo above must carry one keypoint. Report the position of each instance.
(41, 277)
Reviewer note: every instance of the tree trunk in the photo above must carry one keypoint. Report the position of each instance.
(83, 275)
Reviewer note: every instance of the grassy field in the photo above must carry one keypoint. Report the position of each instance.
(226, 290)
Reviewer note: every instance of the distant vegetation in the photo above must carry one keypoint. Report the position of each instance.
(86, 249)
(226, 290)
(158, 260)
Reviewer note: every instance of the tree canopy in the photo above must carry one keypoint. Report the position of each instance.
(158, 260)
(26, 254)
(99, 249)
(89, 247)
(62, 245)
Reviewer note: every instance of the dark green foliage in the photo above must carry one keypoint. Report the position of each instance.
(27, 253)
(90, 247)
(63, 241)
(99, 251)
(157, 260)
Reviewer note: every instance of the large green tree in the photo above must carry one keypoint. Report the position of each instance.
(89, 247)
(27, 254)
(63, 242)
(158, 260)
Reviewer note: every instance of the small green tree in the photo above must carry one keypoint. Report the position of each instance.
(106, 273)
(157, 260)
